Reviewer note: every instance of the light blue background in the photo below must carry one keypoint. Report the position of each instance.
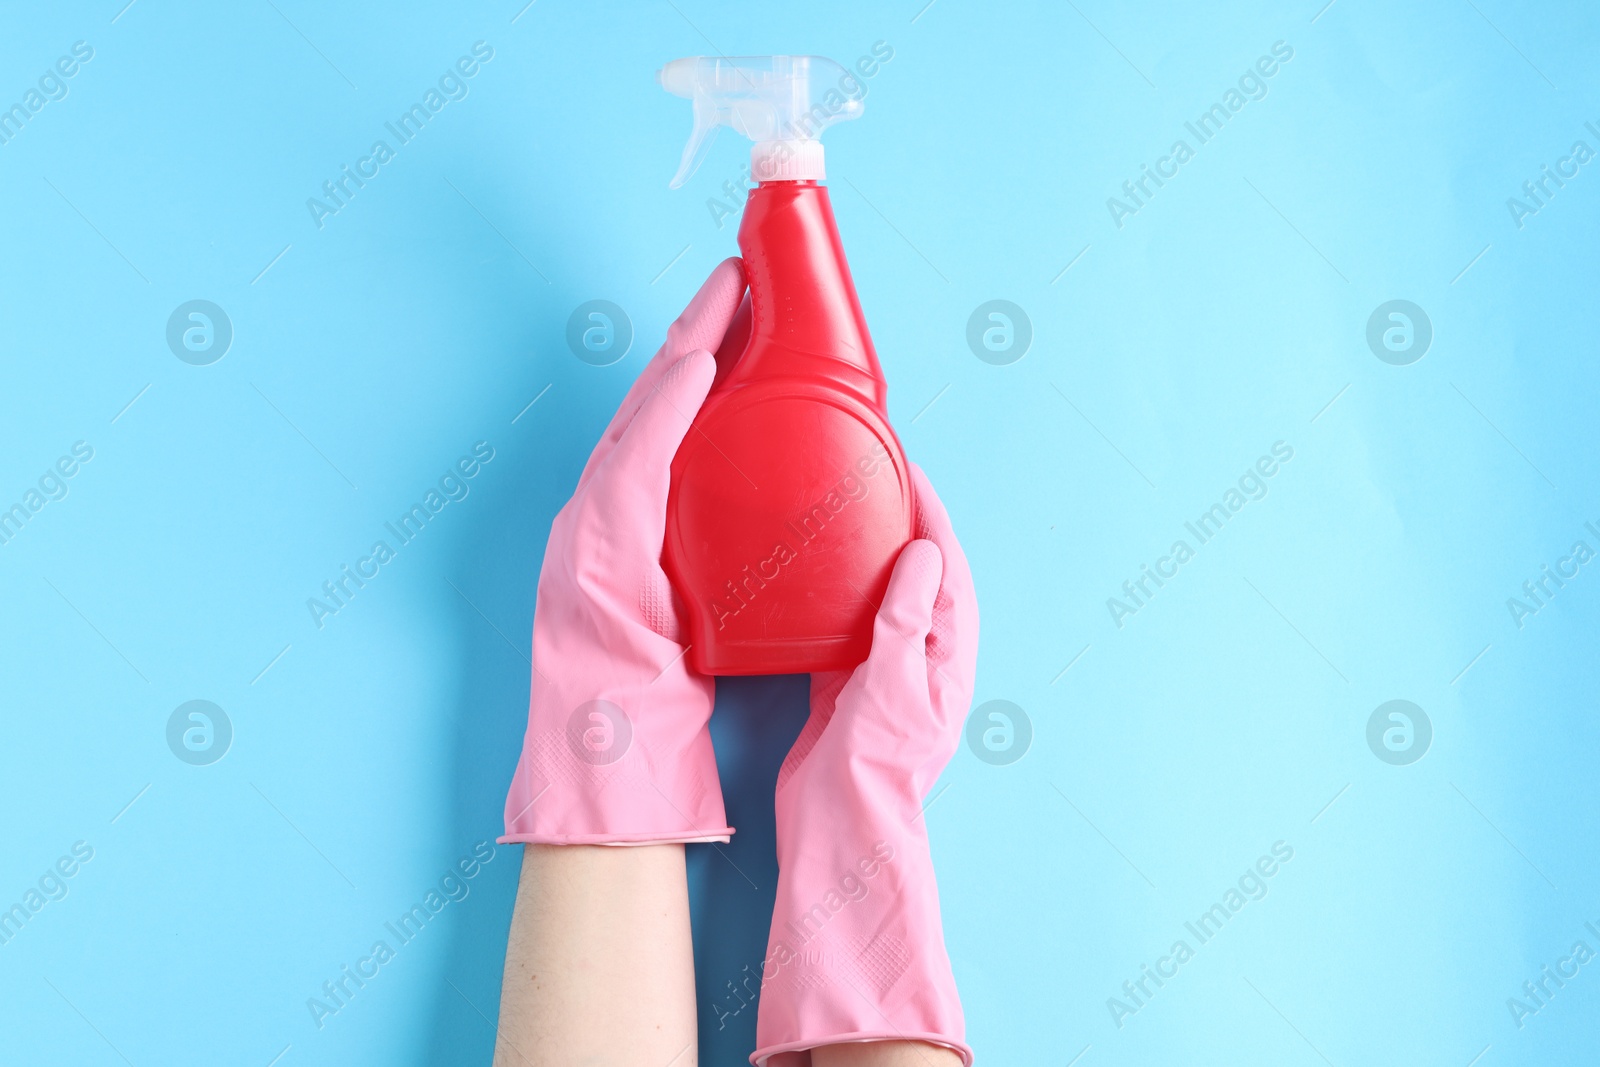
(1228, 314)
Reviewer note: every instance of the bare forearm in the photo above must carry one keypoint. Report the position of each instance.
(600, 965)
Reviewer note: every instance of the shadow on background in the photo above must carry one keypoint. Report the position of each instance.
(732, 887)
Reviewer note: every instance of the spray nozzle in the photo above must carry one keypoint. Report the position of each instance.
(782, 103)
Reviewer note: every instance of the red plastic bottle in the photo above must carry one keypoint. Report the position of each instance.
(790, 498)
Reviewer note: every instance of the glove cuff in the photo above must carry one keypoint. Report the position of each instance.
(600, 774)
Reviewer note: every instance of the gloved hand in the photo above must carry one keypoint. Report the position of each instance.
(617, 750)
(856, 951)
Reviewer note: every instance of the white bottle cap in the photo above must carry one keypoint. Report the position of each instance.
(787, 161)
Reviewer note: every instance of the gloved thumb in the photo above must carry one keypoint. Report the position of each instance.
(885, 706)
(906, 616)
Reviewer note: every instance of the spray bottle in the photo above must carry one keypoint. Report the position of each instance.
(790, 497)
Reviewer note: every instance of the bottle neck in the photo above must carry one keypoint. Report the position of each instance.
(803, 301)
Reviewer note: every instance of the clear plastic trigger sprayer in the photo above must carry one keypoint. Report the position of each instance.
(781, 103)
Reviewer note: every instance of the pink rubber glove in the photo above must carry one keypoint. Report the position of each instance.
(617, 750)
(856, 951)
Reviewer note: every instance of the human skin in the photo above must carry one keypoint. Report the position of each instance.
(600, 968)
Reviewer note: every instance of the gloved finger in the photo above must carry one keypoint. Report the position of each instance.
(706, 319)
(953, 638)
(701, 325)
(632, 483)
